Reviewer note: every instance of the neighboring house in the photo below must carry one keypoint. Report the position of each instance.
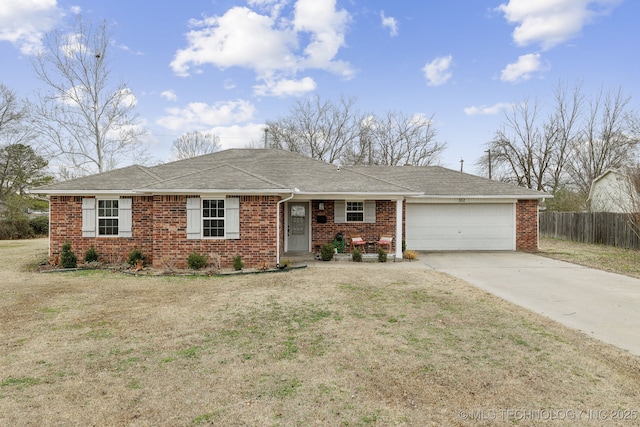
(262, 203)
(613, 191)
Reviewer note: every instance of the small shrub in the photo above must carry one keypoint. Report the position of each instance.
(326, 252)
(410, 255)
(195, 261)
(237, 263)
(136, 256)
(40, 225)
(284, 263)
(68, 259)
(91, 255)
(404, 246)
(356, 255)
(382, 255)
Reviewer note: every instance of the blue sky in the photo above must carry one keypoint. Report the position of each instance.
(228, 66)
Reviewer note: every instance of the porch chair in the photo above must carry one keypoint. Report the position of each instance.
(385, 241)
(358, 241)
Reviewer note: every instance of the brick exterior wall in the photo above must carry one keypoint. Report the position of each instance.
(65, 223)
(325, 233)
(527, 225)
(159, 225)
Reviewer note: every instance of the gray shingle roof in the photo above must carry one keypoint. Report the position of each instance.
(437, 181)
(256, 171)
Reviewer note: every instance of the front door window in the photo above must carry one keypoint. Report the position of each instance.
(298, 220)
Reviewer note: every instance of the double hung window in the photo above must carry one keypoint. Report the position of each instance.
(213, 218)
(107, 217)
(355, 211)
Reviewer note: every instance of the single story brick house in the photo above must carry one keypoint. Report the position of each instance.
(263, 203)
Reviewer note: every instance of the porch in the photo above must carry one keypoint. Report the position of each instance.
(310, 258)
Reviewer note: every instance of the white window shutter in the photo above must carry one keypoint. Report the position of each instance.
(88, 217)
(339, 211)
(232, 218)
(370, 211)
(194, 218)
(124, 218)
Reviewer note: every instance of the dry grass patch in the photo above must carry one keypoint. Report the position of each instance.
(602, 257)
(350, 344)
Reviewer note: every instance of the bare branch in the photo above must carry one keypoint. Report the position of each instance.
(193, 144)
(84, 121)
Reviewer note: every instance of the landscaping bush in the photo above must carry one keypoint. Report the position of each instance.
(91, 255)
(382, 255)
(15, 228)
(14, 222)
(68, 259)
(284, 263)
(136, 255)
(237, 263)
(326, 252)
(196, 261)
(40, 225)
(410, 255)
(356, 255)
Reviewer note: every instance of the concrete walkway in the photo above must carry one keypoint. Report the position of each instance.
(603, 305)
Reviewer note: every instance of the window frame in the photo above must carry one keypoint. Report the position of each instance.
(221, 230)
(352, 211)
(111, 217)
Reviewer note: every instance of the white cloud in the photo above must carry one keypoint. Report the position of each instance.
(24, 22)
(550, 22)
(199, 115)
(326, 27)
(390, 23)
(73, 44)
(169, 95)
(286, 87)
(526, 66)
(437, 71)
(236, 136)
(272, 44)
(488, 110)
(241, 38)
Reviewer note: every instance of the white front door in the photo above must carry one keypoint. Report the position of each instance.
(298, 227)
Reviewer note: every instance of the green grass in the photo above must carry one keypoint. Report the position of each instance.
(19, 382)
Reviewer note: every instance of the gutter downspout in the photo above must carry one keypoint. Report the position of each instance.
(278, 227)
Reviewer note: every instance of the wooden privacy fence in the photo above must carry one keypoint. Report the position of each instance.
(607, 228)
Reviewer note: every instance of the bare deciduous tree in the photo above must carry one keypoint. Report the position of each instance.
(606, 140)
(197, 143)
(522, 150)
(339, 133)
(84, 120)
(318, 129)
(399, 139)
(13, 116)
(569, 147)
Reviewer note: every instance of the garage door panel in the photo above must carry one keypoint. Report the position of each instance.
(460, 226)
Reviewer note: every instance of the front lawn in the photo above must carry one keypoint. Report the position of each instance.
(334, 344)
(608, 258)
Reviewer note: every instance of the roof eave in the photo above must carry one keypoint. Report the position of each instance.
(82, 192)
(487, 196)
(234, 191)
(358, 194)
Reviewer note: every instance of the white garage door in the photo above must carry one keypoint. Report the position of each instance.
(449, 227)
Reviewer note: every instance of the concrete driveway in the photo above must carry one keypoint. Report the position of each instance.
(603, 305)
